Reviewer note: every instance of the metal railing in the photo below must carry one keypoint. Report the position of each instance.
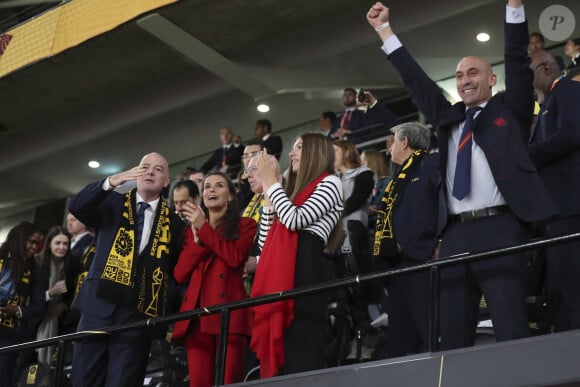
(225, 309)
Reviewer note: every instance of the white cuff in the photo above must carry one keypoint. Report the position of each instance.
(272, 188)
(515, 15)
(107, 185)
(391, 44)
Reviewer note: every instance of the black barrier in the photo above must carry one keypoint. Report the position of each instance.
(226, 308)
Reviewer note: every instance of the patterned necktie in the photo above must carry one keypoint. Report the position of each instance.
(462, 181)
(140, 222)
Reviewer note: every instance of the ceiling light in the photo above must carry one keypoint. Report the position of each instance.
(263, 108)
(94, 164)
(482, 37)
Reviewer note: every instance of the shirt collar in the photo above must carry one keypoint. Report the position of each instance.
(153, 204)
(266, 137)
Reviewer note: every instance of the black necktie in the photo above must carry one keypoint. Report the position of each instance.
(140, 222)
(462, 180)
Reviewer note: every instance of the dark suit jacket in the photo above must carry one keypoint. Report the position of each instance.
(555, 145)
(501, 129)
(214, 272)
(274, 145)
(233, 160)
(355, 123)
(418, 214)
(81, 245)
(380, 115)
(103, 210)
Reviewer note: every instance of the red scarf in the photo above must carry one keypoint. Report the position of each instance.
(275, 273)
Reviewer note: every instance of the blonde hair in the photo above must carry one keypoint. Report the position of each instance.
(377, 162)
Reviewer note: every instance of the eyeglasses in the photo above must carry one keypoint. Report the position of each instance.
(246, 156)
(545, 65)
(250, 171)
(34, 241)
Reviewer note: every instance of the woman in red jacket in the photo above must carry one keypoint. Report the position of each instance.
(212, 261)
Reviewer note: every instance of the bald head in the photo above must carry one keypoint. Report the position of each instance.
(545, 70)
(474, 80)
(155, 176)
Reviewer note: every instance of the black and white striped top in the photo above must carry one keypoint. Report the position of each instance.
(319, 214)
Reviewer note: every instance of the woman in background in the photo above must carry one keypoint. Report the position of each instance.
(298, 221)
(55, 259)
(22, 303)
(212, 261)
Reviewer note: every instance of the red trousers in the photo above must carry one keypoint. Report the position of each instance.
(201, 357)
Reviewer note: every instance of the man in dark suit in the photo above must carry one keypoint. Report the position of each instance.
(409, 222)
(555, 149)
(81, 237)
(490, 182)
(271, 142)
(350, 120)
(227, 158)
(137, 245)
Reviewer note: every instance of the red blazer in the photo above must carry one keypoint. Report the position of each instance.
(214, 272)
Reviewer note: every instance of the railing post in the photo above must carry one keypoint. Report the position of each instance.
(434, 309)
(220, 368)
(60, 356)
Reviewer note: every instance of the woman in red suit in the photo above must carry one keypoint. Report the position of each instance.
(212, 261)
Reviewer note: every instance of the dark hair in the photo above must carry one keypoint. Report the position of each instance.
(227, 226)
(538, 35)
(329, 115)
(576, 41)
(46, 254)
(192, 188)
(253, 141)
(13, 249)
(265, 123)
(350, 89)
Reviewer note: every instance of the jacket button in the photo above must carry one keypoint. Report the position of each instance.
(222, 295)
(222, 275)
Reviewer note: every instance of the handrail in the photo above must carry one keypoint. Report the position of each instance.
(226, 308)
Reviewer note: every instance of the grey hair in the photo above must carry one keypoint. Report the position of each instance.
(418, 135)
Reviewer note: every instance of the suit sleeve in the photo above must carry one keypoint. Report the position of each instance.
(363, 187)
(425, 93)
(565, 136)
(233, 252)
(89, 203)
(519, 95)
(191, 256)
(210, 163)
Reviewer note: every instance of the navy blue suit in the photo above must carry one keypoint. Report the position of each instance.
(418, 218)
(119, 359)
(355, 123)
(501, 131)
(79, 249)
(233, 159)
(555, 148)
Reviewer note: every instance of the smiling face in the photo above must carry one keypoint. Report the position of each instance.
(59, 246)
(474, 80)
(155, 177)
(295, 154)
(216, 193)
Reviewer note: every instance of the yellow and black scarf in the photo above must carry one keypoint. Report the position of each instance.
(254, 209)
(130, 277)
(86, 261)
(385, 244)
(21, 293)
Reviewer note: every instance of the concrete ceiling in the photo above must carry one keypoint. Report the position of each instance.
(169, 80)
